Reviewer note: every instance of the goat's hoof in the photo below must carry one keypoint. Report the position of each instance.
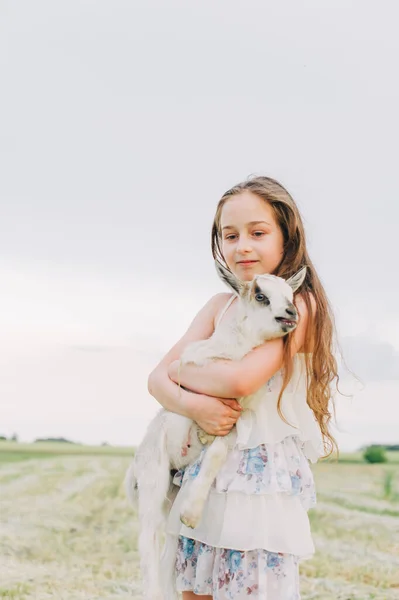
(191, 515)
(205, 438)
(189, 520)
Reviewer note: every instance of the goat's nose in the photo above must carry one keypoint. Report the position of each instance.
(291, 310)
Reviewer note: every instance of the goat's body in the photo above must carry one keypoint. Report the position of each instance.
(150, 488)
(149, 482)
(161, 450)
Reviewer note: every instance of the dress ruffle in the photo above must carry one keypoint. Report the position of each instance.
(267, 469)
(259, 499)
(274, 522)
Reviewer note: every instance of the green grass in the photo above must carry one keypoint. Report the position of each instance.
(357, 458)
(18, 592)
(68, 532)
(356, 506)
(14, 451)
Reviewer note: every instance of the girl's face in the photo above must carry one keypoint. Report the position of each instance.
(252, 242)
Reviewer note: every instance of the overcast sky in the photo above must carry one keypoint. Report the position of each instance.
(122, 124)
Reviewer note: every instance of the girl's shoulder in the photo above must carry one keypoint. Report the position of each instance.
(300, 301)
(222, 303)
(305, 319)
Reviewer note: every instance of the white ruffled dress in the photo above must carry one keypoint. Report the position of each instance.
(255, 527)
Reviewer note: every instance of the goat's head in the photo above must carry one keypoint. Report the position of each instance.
(266, 301)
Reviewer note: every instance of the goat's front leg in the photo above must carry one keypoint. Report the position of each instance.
(194, 502)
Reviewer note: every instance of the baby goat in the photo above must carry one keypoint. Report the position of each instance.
(265, 310)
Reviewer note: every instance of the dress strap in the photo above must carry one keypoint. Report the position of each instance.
(226, 306)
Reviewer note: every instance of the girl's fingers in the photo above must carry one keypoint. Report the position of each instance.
(224, 432)
(233, 404)
(227, 427)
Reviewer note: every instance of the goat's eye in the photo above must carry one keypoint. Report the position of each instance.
(259, 297)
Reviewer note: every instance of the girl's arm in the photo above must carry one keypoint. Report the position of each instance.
(164, 390)
(231, 378)
(228, 378)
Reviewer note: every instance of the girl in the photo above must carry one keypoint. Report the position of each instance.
(255, 526)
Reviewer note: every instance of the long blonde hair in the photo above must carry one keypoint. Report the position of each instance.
(321, 365)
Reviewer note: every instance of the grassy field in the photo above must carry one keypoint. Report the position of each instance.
(67, 531)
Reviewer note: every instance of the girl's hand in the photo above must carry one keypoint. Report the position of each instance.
(216, 416)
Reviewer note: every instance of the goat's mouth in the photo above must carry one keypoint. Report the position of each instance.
(289, 322)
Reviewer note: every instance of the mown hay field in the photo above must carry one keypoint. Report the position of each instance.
(67, 531)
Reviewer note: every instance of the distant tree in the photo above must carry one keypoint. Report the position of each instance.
(375, 454)
(14, 438)
(3, 438)
(105, 444)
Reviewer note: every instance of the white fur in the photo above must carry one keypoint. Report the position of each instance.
(148, 480)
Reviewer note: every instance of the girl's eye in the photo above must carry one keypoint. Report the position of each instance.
(232, 236)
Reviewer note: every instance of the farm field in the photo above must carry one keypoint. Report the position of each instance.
(67, 531)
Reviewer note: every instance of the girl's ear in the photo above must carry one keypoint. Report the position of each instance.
(297, 280)
(229, 279)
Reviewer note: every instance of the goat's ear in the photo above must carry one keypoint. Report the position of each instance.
(228, 278)
(297, 280)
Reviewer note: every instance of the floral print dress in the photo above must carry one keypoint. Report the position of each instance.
(234, 574)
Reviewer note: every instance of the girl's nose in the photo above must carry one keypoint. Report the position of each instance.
(244, 245)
